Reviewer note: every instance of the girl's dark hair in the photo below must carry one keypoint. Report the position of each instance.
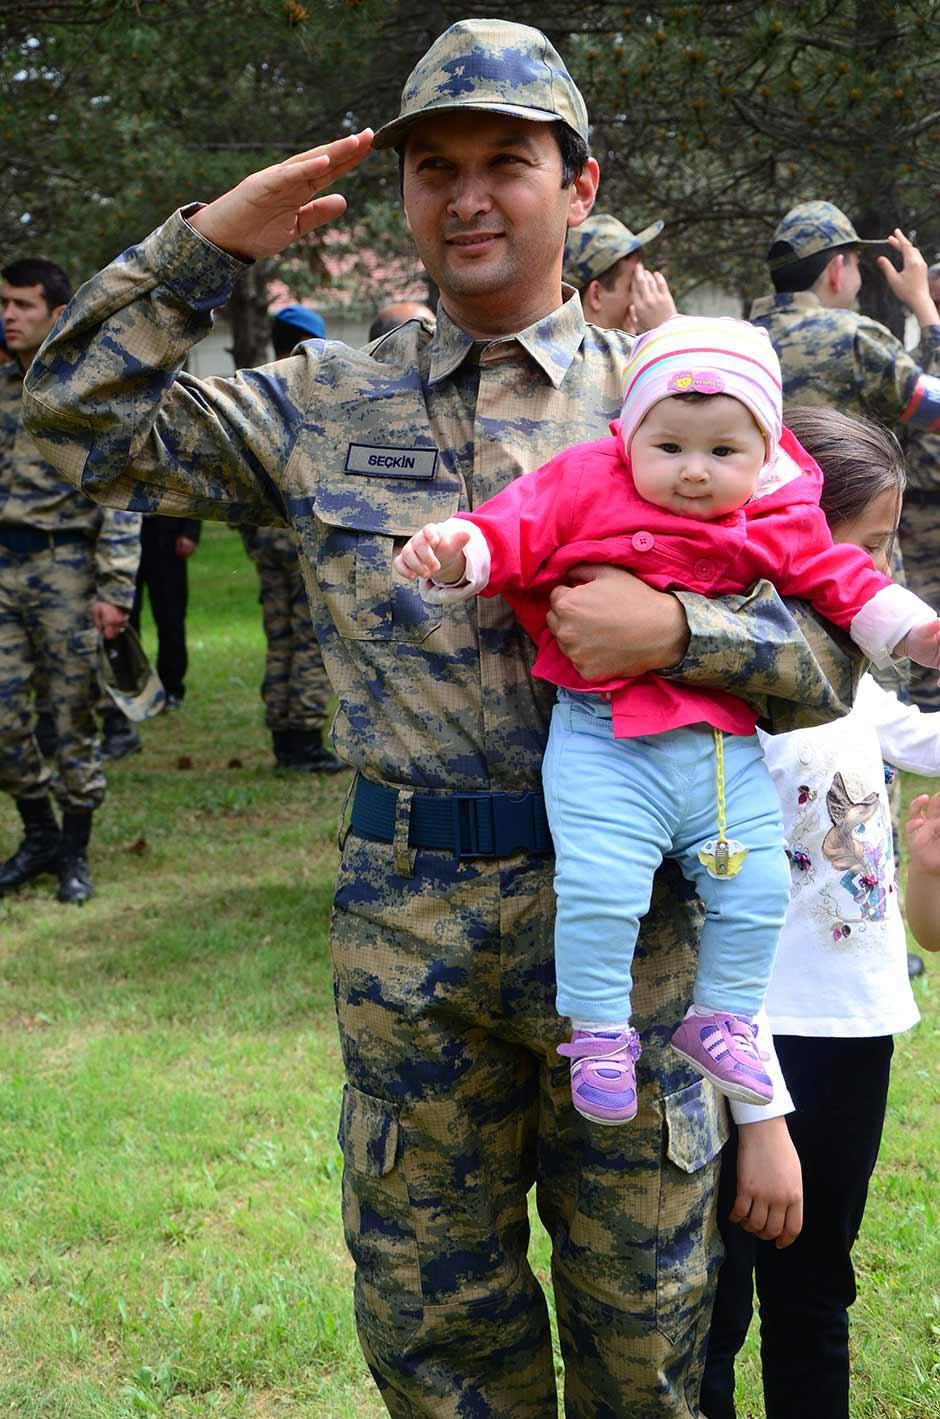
(859, 459)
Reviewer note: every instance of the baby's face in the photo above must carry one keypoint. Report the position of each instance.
(698, 457)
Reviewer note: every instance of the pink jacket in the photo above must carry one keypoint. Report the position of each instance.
(583, 507)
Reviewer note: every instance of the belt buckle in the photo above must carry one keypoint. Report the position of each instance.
(474, 826)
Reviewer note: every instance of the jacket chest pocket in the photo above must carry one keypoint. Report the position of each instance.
(359, 531)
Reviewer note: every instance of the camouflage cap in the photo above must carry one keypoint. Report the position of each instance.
(592, 248)
(812, 227)
(127, 675)
(493, 65)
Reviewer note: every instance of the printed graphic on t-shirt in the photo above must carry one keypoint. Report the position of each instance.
(856, 845)
(842, 856)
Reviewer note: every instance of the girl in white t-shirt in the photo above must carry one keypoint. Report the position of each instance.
(839, 989)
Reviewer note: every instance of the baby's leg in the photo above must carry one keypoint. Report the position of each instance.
(744, 913)
(610, 807)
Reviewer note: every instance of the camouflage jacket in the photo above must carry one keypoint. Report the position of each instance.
(356, 449)
(34, 495)
(843, 358)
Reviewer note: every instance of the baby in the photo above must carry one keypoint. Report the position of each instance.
(699, 487)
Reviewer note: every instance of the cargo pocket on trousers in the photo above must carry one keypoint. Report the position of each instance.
(696, 1127)
(377, 1218)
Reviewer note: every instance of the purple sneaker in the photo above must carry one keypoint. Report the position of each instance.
(603, 1074)
(724, 1049)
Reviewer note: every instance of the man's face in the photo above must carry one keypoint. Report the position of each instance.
(27, 319)
(485, 205)
(610, 307)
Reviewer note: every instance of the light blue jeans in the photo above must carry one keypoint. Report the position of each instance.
(616, 808)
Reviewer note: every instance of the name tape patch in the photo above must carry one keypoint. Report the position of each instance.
(377, 462)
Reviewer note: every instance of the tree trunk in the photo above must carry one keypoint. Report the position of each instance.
(248, 312)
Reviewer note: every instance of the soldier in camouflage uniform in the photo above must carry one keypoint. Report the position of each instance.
(295, 689)
(604, 263)
(920, 523)
(828, 352)
(67, 573)
(456, 1104)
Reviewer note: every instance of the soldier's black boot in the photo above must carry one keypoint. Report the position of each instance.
(282, 741)
(39, 851)
(75, 883)
(310, 755)
(118, 736)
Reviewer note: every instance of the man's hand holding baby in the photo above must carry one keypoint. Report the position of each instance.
(435, 554)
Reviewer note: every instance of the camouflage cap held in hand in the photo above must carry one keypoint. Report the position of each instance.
(128, 677)
(493, 65)
(812, 227)
(598, 243)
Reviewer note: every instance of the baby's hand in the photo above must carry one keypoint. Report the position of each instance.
(922, 831)
(434, 554)
(922, 643)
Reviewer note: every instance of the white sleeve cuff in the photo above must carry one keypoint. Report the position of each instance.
(886, 619)
(781, 1102)
(477, 574)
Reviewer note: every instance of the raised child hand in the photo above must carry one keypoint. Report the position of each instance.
(435, 554)
(922, 831)
(922, 643)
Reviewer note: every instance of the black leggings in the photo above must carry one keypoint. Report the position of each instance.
(840, 1090)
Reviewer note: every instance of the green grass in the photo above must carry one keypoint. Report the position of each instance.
(170, 1237)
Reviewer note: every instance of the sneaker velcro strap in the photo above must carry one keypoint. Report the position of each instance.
(465, 824)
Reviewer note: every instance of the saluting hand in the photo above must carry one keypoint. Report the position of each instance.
(911, 284)
(432, 553)
(272, 208)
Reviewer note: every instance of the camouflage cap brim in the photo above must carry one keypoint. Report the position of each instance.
(392, 134)
(776, 263)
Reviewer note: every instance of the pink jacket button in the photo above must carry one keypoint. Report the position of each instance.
(704, 568)
(642, 541)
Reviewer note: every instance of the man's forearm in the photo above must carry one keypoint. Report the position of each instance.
(106, 403)
(778, 656)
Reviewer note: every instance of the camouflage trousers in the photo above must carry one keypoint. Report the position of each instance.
(46, 631)
(295, 688)
(456, 1104)
(920, 543)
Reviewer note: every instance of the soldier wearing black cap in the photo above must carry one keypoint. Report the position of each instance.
(455, 1104)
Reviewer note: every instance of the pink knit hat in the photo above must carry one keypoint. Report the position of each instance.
(704, 355)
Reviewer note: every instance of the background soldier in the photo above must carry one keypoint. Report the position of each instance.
(295, 689)
(66, 574)
(604, 262)
(456, 1103)
(829, 353)
(166, 544)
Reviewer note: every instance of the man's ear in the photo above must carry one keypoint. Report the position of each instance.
(582, 192)
(834, 273)
(590, 302)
